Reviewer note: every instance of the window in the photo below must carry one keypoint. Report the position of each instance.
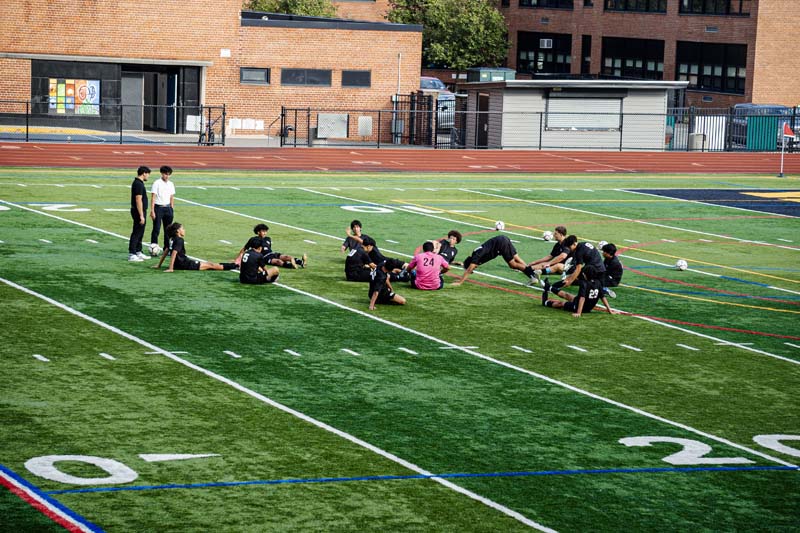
(712, 67)
(356, 78)
(565, 4)
(544, 53)
(305, 76)
(633, 58)
(254, 76)
(583, 113)
(648, 6)
(716, 7)
(586, 54)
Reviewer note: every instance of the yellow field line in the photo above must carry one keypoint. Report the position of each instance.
(713, 301)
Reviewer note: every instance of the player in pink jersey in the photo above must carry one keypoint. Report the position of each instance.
(427, 269)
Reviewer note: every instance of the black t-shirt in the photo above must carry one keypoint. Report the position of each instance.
(377, 282)
(176, 244)
(613, 270)
(447, 251)
(588, 256)
(248, 270)
(138, 189)
(591, 291)
(266, 245)
(559, 249)
(499, 245)
(356, 260)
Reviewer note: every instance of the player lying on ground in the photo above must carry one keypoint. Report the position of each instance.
(253, 269)
(176, 250)
(589, 292)
(499, 245)
(273, 258)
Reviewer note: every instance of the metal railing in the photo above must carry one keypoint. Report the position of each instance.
(39, 121)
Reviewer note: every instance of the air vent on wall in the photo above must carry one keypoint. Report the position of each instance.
(545, 43)
(712, 29)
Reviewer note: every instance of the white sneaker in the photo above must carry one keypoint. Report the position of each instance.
(142, 257)
(611, 293)
(134, 258)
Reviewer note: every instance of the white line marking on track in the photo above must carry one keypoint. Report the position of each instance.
(412, 352)
(223, 241)
(45, 241)
(351, 352)
(91, 241)
(232, 354)
(521, 349)
(634, 348)
(631, 240)
(514, 514)
(578, 348)
(692, 348)
(199, 163)
(291, 352)
(107, 356)
(792, 345)
(41, 358)
(667, 240)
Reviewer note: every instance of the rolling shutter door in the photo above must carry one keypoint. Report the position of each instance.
(584, 113)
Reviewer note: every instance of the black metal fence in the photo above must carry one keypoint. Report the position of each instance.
(27, 121)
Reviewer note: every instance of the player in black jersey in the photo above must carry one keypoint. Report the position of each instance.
(614, 269)
(447, 247)
(499, 245)
(253, 268)
(589, 292)
(178, 260)
(553, 263)
(273, 258)
(380, 288)
(358, 264)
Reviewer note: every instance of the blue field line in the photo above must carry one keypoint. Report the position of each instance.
(720, 294)
(55, 503)
(423, 476)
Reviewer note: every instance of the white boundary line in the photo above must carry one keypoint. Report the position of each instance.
(302, 416)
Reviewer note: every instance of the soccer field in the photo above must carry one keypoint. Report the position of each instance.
(138, 400)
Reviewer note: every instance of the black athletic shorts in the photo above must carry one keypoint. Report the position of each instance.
(187, 264)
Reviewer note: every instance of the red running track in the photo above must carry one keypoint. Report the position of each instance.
(393, 159)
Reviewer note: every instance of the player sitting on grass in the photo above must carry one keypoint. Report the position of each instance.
(499, 245)
(273, 258)
(253, 269)
(178, 260)
(427, 269)
(358, 264)
(589, 292)
(380, 288)
(613, 274)
(553, 263)
(583, 259)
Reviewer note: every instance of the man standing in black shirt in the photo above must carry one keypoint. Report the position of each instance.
(253, 269)
(138, 215)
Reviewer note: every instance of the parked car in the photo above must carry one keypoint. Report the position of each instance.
(445, 101)
(743, 112)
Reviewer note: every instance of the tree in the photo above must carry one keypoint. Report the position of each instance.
(456, 34)
(310, 8)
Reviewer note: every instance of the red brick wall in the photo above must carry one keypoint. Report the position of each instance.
(670, 27)
(777, 60)
(372, 10)
(15, 79)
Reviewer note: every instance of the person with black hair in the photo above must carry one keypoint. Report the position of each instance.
(427, 269)
(273, 258)
(253, 269)
(138, 215)
(552, 263)
(589, 292)
(583, 259)
(162, 204)
(500, 245)
(176, 250)
(357, 265)
(380, 288)
(447, 247)
(614, 269)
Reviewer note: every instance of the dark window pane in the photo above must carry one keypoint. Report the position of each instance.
(254, 75)
(356, 78)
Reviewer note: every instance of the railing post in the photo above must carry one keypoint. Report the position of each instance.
(223, 124)
(621, 122)
(121, 112)
(541, 131)
(283, 125)
(27, 119)
(379, 128)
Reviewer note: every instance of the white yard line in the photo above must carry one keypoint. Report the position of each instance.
(521, 349)
(232, 354)
(351, 352)
(41, 358)
(688, 347)
(298, 414)
(577, 348)
(412, 352)
(107, 356)
(292, 352)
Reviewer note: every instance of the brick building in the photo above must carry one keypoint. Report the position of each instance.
(75, 61)
(730, 51)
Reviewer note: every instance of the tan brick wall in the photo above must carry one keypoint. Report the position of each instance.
(362, 10)
(15, 79)
(669, 27)
(777, 60)
(155, 29)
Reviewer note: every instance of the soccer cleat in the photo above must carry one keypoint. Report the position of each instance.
(142, 256)
(611, 294)
(133, 258)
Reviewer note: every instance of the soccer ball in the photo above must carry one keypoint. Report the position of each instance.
(547, 235)
(601, 244)
(681, 264)
(499, 225)
(155, 249)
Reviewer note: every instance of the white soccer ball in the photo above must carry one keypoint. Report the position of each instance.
(155, 250)
(681, 264)
(601, 244)
(547, 235)
(499, 225)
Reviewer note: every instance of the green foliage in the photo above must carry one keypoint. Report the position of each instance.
(310, 8)
(457, 34)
